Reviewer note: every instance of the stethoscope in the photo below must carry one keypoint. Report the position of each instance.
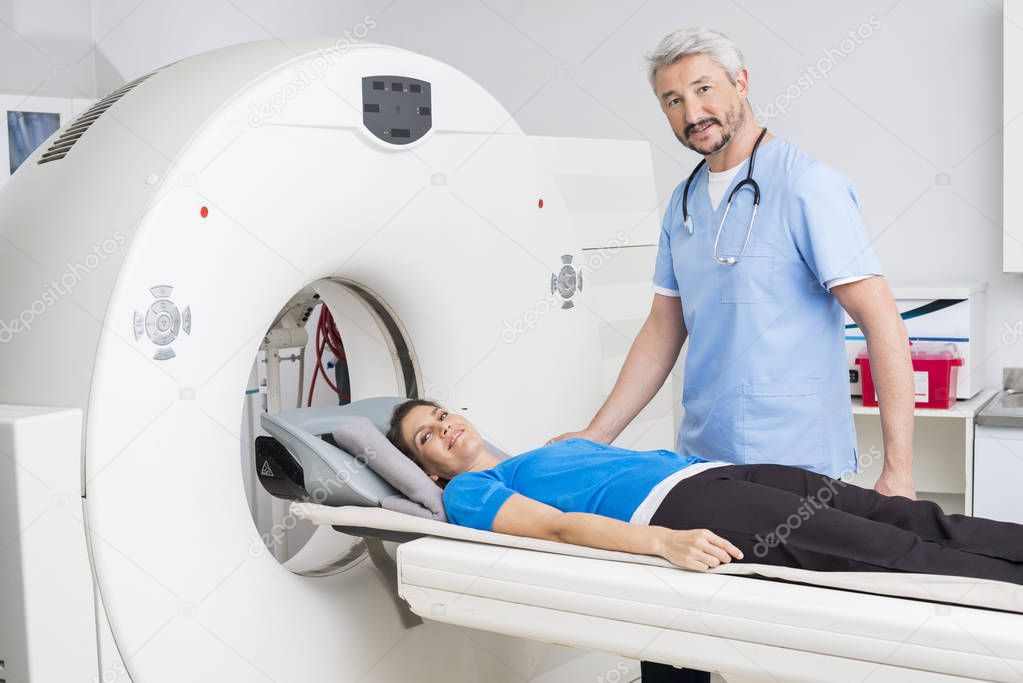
(688, 220)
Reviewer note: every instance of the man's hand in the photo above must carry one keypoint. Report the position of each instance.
(896, 484)
(588, 433)
(871, 304)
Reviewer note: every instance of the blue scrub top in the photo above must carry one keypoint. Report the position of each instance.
(766, 376)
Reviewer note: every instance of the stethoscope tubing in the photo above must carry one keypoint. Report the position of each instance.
(747, 181)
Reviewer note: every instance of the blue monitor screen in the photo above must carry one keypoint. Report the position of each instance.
(26, 130)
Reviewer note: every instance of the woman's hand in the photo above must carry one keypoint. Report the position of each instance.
(698, 549)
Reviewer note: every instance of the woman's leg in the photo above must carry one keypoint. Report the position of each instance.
(776, 526)
(924, 518)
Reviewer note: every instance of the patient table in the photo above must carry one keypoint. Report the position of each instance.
(747, 620)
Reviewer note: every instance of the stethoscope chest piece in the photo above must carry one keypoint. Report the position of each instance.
(748, 181)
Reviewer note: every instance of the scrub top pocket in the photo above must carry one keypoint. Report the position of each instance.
(781, 423)
(750, 281)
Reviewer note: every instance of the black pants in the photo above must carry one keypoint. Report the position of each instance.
(788, 516)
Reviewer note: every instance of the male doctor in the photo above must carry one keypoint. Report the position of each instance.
(766, 376)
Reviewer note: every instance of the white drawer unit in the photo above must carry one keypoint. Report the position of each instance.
(998, 452)
(998, 473)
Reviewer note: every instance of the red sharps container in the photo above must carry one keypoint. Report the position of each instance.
(935, 374)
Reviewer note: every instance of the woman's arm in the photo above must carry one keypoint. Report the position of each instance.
(692, 548)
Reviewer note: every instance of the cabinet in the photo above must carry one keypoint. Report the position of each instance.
(1012, 136)
(998, 473)
(943, 448)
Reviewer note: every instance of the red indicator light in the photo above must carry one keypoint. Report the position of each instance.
(204, 212)
(539, 204)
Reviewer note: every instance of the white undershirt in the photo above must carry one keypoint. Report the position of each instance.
(656, 496)
(718, 183)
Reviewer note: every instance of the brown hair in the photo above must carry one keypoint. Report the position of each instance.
(401, 411)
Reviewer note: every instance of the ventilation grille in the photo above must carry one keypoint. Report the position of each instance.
(66, 140)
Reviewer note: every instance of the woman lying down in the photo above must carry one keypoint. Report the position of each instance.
(693, 512)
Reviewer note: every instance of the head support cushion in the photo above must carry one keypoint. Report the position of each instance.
(422, 497)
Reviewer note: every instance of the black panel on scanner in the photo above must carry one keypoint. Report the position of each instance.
(396, 109)
(278, 472)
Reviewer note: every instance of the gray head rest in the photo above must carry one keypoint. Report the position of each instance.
(332, 475)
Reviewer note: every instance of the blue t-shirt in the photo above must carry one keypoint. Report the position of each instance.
(573, 475)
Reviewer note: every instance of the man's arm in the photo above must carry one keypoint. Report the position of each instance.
(650, 359)
(870, 303)
(697, 549)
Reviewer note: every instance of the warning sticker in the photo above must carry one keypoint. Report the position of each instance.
(920, 386)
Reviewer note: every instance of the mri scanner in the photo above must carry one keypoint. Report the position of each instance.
(160, 251)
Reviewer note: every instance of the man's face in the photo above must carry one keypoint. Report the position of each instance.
(445, 443)
(703, 107)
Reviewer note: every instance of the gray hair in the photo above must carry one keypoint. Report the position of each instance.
(696, 40)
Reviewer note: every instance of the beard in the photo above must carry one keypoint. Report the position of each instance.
(734, 119)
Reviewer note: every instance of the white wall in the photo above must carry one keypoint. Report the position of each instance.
(919, 98)
(46, 48)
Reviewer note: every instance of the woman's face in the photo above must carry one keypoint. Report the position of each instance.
(445, 443)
